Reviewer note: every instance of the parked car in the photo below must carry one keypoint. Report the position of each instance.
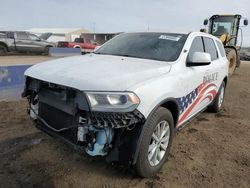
(85, 44)
(20, 41)
(126, 100)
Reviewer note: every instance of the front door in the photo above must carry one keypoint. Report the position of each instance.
(196, 88)
(36, 43)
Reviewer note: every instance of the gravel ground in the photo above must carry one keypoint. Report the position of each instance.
(23, 59)
(212, 151)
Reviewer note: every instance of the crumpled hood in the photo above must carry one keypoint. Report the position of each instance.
(98, 72)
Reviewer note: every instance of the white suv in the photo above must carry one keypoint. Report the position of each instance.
(125, 100)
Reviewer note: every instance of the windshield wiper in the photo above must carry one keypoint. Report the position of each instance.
(124, 55)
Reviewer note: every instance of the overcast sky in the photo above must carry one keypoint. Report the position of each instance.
(118, 15)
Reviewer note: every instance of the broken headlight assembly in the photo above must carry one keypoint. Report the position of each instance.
(112, 101)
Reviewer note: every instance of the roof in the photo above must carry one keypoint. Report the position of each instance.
(57, 30)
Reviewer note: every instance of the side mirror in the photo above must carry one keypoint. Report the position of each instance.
(38, 39)
(205, 22)
(245, 22)
(199, 59)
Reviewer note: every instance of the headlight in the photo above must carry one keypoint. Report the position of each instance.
(113, 101)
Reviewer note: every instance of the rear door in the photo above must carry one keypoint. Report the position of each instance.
(216, 68)
(23, 41)
(223, 62)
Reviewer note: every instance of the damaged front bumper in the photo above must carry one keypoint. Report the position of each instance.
(65, 113)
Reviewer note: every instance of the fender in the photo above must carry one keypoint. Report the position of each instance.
(5, 45)
(77, 46)
(142, 129)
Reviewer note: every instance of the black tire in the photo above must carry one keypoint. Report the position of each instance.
(46, 50)
(217, 104)
(3, 50)
(143, 166)
(232, 60)
(238, 60)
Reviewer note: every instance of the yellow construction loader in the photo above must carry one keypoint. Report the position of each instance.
(228, 29)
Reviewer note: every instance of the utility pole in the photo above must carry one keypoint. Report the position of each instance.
(94, 27)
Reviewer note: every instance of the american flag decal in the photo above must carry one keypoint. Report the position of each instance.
(187, 103)
(187, 100)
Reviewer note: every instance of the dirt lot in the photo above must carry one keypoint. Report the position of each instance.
(212, 151)
(23, 59)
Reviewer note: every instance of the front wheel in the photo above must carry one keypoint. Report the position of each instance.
(46, 50)
(156, 141)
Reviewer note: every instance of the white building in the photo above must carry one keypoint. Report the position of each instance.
(58, 34)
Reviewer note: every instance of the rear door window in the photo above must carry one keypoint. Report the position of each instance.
(210, 48)
(79, 40)
(221, 48)
(22, 36)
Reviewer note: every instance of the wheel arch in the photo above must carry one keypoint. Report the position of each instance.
(48, 46)
(5, 45)
(77, 46)
(172, 105)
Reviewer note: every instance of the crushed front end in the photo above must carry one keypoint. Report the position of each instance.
(69, 114)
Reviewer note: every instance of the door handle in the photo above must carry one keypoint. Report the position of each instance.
(208, 70)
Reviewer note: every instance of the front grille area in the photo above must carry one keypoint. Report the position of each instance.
(63, 107)
(114, 120)
(54, 117)
(58, 120)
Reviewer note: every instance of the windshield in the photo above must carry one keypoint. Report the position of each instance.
(45, 36)
(156, 46)
(223, 25)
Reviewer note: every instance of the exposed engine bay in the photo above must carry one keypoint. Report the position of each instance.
(65, 112)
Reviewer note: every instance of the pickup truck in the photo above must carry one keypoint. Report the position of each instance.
(20, 41)
(86, 45)
(126, 100)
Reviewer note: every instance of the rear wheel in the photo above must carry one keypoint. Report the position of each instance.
(219, 99)
(232, 60)
(157, 137)
(3, 50)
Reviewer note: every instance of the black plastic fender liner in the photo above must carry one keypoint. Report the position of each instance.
(125, 145)
(125, 141)
(142, 129)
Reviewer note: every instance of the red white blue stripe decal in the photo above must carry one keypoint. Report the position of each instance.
(189, 102)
